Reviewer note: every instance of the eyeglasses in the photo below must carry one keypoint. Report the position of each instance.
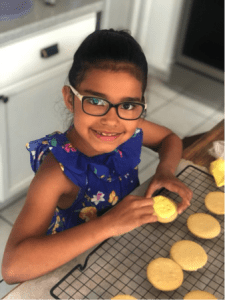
(96, 106)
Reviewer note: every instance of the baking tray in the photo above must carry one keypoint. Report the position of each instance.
(118, 265)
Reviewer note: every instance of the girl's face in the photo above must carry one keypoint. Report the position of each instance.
(115, 87)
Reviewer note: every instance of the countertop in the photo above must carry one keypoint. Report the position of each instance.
(17, 22)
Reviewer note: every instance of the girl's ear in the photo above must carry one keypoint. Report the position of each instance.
(68, 97)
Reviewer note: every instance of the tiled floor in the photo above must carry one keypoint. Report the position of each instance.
(188, 104)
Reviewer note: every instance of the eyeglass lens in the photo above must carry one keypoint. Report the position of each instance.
(98, 107)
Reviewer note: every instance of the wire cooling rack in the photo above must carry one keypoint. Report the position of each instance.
(118, 266)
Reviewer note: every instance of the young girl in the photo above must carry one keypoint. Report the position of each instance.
(79, 196)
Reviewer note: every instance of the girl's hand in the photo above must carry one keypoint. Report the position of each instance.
(166, 179)
(130, 213)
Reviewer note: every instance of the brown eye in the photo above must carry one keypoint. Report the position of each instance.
(128, 106)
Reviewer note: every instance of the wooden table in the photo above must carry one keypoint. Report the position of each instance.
(198, 151)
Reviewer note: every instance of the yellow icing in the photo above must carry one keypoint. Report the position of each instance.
(217, 170)
(163, 207)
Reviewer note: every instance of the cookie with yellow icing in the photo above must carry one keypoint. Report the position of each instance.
(165, 274)
(189, 255)
(123, 297)
(203, 225)
(214, 202)
(199, 295)
(216, 168)
(165, 209)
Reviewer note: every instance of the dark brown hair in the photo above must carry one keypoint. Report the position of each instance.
(109, 49)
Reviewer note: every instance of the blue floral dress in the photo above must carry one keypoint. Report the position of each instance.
(103, 179)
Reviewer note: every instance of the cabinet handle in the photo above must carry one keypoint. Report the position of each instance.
(49, 51)
(4, 99)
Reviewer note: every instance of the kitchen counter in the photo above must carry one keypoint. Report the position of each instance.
(40, 288)
(40, 16)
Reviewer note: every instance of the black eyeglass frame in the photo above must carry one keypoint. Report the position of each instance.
(83, 97)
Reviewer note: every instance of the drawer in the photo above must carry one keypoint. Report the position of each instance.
(22, 59)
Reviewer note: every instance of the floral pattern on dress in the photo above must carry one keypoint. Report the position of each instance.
(113, 198)
(58, 224)
(136, 132)
(53, 142)
(98, 198)
(61, 166)
(120, 152)
(88, 213)
(68, 147)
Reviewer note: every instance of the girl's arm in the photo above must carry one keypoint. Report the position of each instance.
(170, 152)
(29, 253)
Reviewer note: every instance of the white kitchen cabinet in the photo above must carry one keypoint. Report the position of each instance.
(35, 102)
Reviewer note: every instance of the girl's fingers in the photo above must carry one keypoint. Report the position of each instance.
(152, 219)
(151, 189)
(175, 186)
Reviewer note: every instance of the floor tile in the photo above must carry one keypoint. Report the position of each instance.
(181, 121)
(207, 91)
(4, 234)
(159, 87)
(155, 102)
(11, 213)
(195, 105)
(181, 78)
(6, 288)
(208, 124)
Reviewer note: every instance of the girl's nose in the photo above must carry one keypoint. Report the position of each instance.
(111, 118)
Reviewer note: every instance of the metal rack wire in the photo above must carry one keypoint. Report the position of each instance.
(118, 266)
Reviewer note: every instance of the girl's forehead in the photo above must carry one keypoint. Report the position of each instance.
(125, 73)
(111, 80)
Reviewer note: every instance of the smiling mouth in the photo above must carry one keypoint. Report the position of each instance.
(107, 133)
(106, 136)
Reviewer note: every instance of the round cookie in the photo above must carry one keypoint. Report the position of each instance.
(165, 209)
(203, 226)
(199, 295)
(165, 274)
(214, 202)
(189, 255)
(123, 297)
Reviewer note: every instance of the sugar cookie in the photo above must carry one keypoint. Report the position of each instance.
(199, 295)
(189, 255)
(165, 274)
(123, 297)
(216, 168)
(165, 209)
(214, 202)
(203, 226)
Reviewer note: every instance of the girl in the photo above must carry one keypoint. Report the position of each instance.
(92, 167)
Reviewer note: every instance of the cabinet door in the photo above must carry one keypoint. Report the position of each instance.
(37, 110)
